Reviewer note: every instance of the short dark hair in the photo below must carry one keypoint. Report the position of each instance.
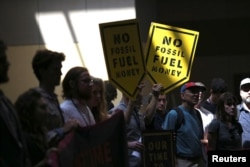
(218, 85)
(110, 91)
(43, 58)
(72, 75)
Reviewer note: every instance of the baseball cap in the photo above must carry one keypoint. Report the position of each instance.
(189, 85)
(245, 81)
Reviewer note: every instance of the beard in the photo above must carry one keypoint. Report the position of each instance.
(85, 95)
(247, 100)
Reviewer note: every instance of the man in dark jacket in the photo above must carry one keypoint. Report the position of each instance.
(13, 152)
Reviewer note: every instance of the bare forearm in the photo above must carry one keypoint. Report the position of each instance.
(150, 110)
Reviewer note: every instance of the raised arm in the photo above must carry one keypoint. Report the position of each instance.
(132, 103)
(151, 107)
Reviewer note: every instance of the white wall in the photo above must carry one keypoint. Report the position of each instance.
(68, 26)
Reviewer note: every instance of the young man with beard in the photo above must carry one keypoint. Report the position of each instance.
(13, 150)
(244, 112)
(77, 85)
(189, 149)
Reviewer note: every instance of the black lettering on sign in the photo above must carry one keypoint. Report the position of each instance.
(166, 71)
(127, 73)
(124, 61)
(166, 60)
(169, 40)
(122, 50)
(169, 51)
(121, 38)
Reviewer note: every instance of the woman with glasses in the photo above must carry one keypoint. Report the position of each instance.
(224, 132)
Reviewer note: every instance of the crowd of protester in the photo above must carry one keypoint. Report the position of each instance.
(35, 124)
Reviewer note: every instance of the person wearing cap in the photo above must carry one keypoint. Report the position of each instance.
(244, 112)
(189, 149)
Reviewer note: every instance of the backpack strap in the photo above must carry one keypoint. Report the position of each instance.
(180, 118)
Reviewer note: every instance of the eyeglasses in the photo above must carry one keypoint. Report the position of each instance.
(245, 89)
(87, 81)
(194, 92)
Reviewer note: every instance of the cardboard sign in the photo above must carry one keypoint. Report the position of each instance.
(103, 144)
(170, 53)
(123, 55)
(159, 149)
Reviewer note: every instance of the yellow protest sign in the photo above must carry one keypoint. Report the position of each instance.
(123, 54)
(170, 53)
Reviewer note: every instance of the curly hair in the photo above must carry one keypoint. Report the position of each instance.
(226, 98)
(26, 107)
(43, 59)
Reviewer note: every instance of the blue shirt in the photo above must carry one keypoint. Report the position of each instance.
(244, 120)
(188, 135)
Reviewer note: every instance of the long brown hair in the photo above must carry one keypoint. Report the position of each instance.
(71, 76)
(226, 97)
(100, 111)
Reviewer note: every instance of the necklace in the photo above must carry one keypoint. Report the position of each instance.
(83, 111)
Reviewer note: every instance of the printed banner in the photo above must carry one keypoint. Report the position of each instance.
(102, 145)
(170, 53)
